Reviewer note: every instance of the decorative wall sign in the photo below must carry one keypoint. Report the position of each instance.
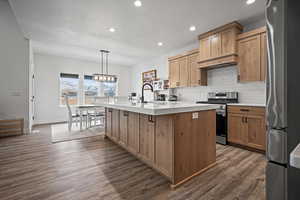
(149, 76)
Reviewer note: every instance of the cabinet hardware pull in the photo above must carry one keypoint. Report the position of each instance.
(246, 119)
(244, 110)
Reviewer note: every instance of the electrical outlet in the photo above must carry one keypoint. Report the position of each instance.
(195, 115)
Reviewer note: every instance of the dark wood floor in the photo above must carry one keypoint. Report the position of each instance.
(32, 168)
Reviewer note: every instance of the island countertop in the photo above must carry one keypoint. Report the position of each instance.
(158, 108)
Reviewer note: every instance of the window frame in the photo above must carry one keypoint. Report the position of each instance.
(60, 89)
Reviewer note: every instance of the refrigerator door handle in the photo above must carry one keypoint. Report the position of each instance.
(276, 70)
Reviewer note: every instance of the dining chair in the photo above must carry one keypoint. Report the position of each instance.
(98, 114)
(73, 117)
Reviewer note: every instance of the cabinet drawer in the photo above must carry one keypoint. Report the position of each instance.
(247, 110)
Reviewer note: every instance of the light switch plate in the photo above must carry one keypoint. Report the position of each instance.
(195, 115)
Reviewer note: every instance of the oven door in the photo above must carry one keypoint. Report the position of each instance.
(221, 127)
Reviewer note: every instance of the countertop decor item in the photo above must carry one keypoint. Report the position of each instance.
(104, 77)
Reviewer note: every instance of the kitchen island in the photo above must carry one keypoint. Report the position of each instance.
(176, 139)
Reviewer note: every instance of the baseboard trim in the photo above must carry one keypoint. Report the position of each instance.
(51, 123)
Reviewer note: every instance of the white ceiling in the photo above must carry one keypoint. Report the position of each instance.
(78, 28)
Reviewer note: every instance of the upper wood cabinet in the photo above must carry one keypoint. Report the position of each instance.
(184, 70)
(264, 58)
(252, 55)
(197, 76)
(219, 47)
(174, 73)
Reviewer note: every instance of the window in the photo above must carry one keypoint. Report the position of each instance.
(84, 91)
(91, 89)
(109, 89)
(94, 88)
(69, 84)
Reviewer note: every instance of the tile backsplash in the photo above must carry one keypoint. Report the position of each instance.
(225, 79)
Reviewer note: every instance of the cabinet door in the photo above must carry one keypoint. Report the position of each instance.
(164, 144)
(133, 132)
(195, 134)
(237, 129)
(183, 72)
(108, 122)
(174, 70)
(215, 43)
(204, 49)
(147, 134)
(183, 137)
(249, 59)
(194, 70)
(197, 76)
(115, 125)
(264, 53)
(123, 127)
(228, 40)
(256, 136)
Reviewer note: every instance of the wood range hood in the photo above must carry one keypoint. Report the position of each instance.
(218, 47)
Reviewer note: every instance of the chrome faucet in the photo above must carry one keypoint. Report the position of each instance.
(143, 88)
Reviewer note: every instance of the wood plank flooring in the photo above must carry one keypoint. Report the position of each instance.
(32, 168)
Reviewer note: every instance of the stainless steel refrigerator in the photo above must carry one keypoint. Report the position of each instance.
(283, 98)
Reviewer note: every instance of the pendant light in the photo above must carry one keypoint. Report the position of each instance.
(104, 77)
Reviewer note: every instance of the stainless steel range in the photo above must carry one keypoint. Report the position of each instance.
(222, 99)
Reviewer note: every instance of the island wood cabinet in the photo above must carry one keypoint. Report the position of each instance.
(133, 130)
(108, 122)
(123, 127)
(184, 71)
(179, 146)
(147, 137)
(246, 126)
(218, 47)
(115, 133)
(252, 49)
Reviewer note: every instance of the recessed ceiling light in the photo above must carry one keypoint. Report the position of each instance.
(112, 30)
(138, 3)
(250, 2)
(192, 28)
(160, 44)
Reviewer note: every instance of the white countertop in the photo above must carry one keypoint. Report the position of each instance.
(247, 104)
(159, 108)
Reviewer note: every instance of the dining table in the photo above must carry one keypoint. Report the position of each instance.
(86, 108)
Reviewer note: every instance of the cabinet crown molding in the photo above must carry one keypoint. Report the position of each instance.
(254, 32)
(233, 24)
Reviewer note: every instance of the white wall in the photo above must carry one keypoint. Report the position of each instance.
(47, 72)
(222, 79)
(14, 66)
